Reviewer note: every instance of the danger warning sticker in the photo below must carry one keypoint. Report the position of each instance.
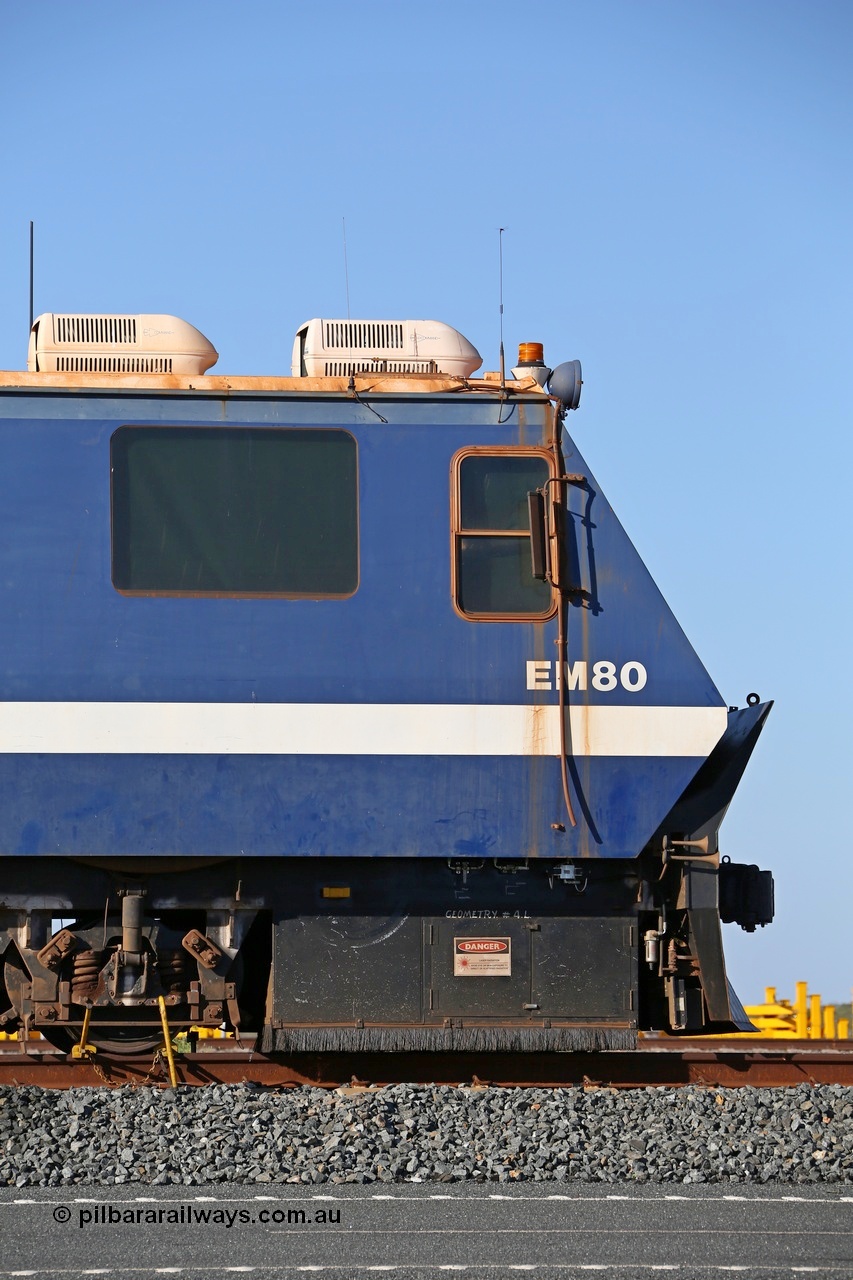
(482, 958)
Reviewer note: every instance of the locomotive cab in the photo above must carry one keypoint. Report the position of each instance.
(343, 763)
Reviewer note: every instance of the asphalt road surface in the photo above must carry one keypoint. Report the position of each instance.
(426, 1232)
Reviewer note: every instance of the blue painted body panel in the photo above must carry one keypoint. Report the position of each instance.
(450, 806)
(67, 635)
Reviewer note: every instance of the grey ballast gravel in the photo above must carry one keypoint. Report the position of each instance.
(414, 1133)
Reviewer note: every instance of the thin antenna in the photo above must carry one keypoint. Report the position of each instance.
(501, 274)
(346, 268)
(31, 275)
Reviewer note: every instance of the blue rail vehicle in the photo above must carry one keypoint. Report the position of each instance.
(339, 707)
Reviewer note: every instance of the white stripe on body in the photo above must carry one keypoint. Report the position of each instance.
(352, 728)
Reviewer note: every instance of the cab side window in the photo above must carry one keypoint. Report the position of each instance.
(492, 575)
(235, 511)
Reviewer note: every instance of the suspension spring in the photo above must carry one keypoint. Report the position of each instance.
(85, 971)
(172, 970)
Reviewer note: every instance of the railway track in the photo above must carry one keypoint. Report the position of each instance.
(772, 1063)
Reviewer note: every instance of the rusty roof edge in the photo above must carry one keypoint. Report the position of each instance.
(221, 384)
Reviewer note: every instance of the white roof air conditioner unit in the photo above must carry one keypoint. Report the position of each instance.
(337, 348)
(117, 344)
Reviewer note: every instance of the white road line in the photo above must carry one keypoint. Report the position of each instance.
(692, 1269)
(657, 1232)
(462, 1198)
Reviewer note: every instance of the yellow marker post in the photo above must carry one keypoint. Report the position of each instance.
(815, 1019)
(167, 1038)
(84, 1049)
(843, 1029)
(829, 1032)
(801, 1010)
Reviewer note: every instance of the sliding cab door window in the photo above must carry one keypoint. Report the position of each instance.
(234, 511)
(493, 579)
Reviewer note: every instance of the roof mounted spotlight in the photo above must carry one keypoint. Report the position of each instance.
(565, 383)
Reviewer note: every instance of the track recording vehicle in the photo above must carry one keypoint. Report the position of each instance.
(339, 707)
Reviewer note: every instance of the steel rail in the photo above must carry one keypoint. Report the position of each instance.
(671, 1063)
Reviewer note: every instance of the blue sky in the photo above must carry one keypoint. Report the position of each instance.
(675, 181)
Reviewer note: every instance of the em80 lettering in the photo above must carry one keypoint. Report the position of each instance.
(606, 676)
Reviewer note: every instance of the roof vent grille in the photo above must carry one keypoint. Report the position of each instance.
(94, 330)
(117, 344)
(113, 364)
(356, 334)
(342, 368)
(326, 348)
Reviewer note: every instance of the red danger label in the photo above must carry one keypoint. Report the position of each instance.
(482, 957)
